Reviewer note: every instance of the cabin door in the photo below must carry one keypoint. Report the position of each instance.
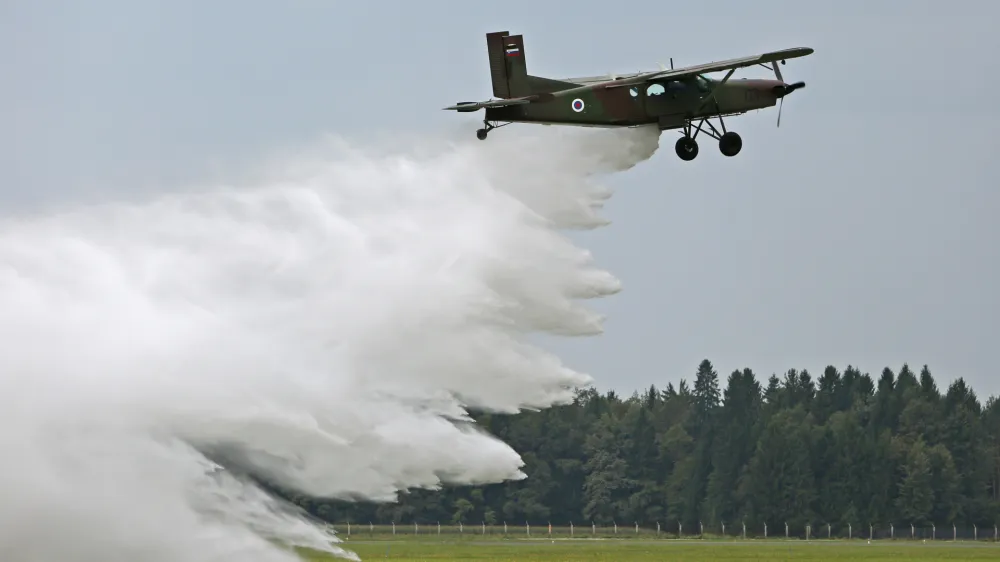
(671, 100)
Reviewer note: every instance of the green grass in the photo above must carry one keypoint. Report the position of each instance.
(682, 551)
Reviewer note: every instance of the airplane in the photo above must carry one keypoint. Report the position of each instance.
(671, 99)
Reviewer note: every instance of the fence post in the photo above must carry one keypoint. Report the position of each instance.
(786, 529)
(571, 529)
(416, 530)
(527, 528)
(394, 527)
(975, 532)
(439, 527)
(637, 527)
(765, 530)
(744, 530)
(550, 529)
(933, 531)
(913, 531)
(829, 531)
(460, 528)
(808, 530)
(954, 532)
(593, 528)
(657, 528)
(892, 531)
(616, 526)
(848, 531)
(723, 528)
(505, 527)
(484, 528)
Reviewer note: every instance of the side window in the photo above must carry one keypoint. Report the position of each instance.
(655, 90)
(634, 92)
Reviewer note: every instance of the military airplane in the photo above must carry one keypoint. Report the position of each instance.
(672, 99)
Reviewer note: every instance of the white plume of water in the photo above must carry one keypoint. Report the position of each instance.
(323, 330)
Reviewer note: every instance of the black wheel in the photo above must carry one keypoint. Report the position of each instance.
(730, 144)
(686, 148)
(481, 134)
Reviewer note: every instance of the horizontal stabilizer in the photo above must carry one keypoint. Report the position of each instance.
(469, 106)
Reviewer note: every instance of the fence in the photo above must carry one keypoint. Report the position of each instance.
(734, 531)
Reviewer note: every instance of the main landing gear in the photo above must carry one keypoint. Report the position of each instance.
(487, 127)
(730, 143)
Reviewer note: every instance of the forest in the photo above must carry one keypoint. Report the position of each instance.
(841, 449)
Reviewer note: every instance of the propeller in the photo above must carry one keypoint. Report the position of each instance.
(784, 90)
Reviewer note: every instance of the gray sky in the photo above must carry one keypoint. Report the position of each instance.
(863, 231)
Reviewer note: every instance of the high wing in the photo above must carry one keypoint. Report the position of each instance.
(464, 106)
(641, 78)
(602, 78)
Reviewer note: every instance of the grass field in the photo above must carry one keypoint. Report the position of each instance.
(674, 550)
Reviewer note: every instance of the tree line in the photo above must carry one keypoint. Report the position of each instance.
(841, 449)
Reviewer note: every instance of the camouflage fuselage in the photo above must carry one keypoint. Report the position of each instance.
(669, 103)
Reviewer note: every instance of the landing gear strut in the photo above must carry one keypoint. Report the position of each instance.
(487, 127)
(730, 143)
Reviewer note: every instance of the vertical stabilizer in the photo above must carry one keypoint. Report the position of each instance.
(498, 63)
(508, 70)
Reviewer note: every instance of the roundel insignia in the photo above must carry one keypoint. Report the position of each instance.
(577, 105)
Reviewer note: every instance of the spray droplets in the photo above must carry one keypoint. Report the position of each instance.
(319, 330)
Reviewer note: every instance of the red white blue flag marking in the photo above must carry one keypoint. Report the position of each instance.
(577, 105)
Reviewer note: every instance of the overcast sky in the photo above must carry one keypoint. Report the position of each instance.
(864, 231)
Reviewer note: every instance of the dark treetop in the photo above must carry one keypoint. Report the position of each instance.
(846, 448)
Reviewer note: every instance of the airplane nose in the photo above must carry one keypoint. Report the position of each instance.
(783, 90)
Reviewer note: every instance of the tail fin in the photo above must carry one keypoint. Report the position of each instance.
(507, 67)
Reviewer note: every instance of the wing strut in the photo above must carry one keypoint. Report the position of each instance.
(711, 95)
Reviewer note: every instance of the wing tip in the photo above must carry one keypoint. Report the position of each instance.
(800, 51)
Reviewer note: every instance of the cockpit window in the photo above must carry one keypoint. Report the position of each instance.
(704, 84)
